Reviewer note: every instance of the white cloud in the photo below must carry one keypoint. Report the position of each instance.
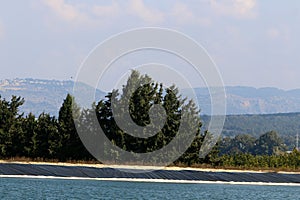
(109, 10)
(95, 14)
(182, 14)
(148, 15)
(65, 11)
(244, 7)
(83, 13)
(236, 8)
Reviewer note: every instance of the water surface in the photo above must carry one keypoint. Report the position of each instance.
(28, 188)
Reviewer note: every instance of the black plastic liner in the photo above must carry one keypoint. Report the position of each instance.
(93, 172)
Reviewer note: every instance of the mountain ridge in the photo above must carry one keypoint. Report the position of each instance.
(42, 95)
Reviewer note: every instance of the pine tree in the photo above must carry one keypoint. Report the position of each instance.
(44, 137)
(29, 125)
(138, 96)
(10, 130)
(71, 146)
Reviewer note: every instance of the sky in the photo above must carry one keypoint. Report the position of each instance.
(253, 43)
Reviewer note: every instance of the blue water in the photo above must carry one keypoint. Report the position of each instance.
(24, 188)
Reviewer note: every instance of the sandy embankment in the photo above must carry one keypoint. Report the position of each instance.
(146, 168)
(50, 170)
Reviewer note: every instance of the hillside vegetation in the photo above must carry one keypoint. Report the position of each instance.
(45, 136)
(285, 124)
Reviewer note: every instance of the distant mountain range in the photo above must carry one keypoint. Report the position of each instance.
(47, 96)
(250, 100)
(40, 95)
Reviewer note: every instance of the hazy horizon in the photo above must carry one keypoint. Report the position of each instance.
(226, 86)
(253, 43)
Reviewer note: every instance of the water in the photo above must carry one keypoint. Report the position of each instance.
(25, 188)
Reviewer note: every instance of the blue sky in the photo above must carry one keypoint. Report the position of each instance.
(254, 43)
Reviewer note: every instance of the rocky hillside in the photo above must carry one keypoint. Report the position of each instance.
(40, 95)
(48, 95)
(249, 100)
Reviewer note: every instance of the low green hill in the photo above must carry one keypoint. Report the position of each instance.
(286, 124)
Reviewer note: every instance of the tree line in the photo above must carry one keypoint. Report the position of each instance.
(42, 137)
(47, 137)
(266, 151)
(285, 124)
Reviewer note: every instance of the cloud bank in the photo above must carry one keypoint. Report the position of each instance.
(2, 31)
(178, 13)
(235, 8)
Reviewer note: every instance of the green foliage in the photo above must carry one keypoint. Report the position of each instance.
(285, 124)
(238, 144)
(45, 136)
(146, 94)
(48, 137)
(70, 146)
(267, 144)
(289, 161)
(29, 127)
(10, 127)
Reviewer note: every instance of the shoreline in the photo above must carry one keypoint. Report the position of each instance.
(145, 167)
(140, 180)
(17, 169)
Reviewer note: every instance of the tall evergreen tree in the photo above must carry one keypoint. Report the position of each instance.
(269, 143)
(71, 146)
(29, 125)
(139, 95)
(44, 137)
(10, 130)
